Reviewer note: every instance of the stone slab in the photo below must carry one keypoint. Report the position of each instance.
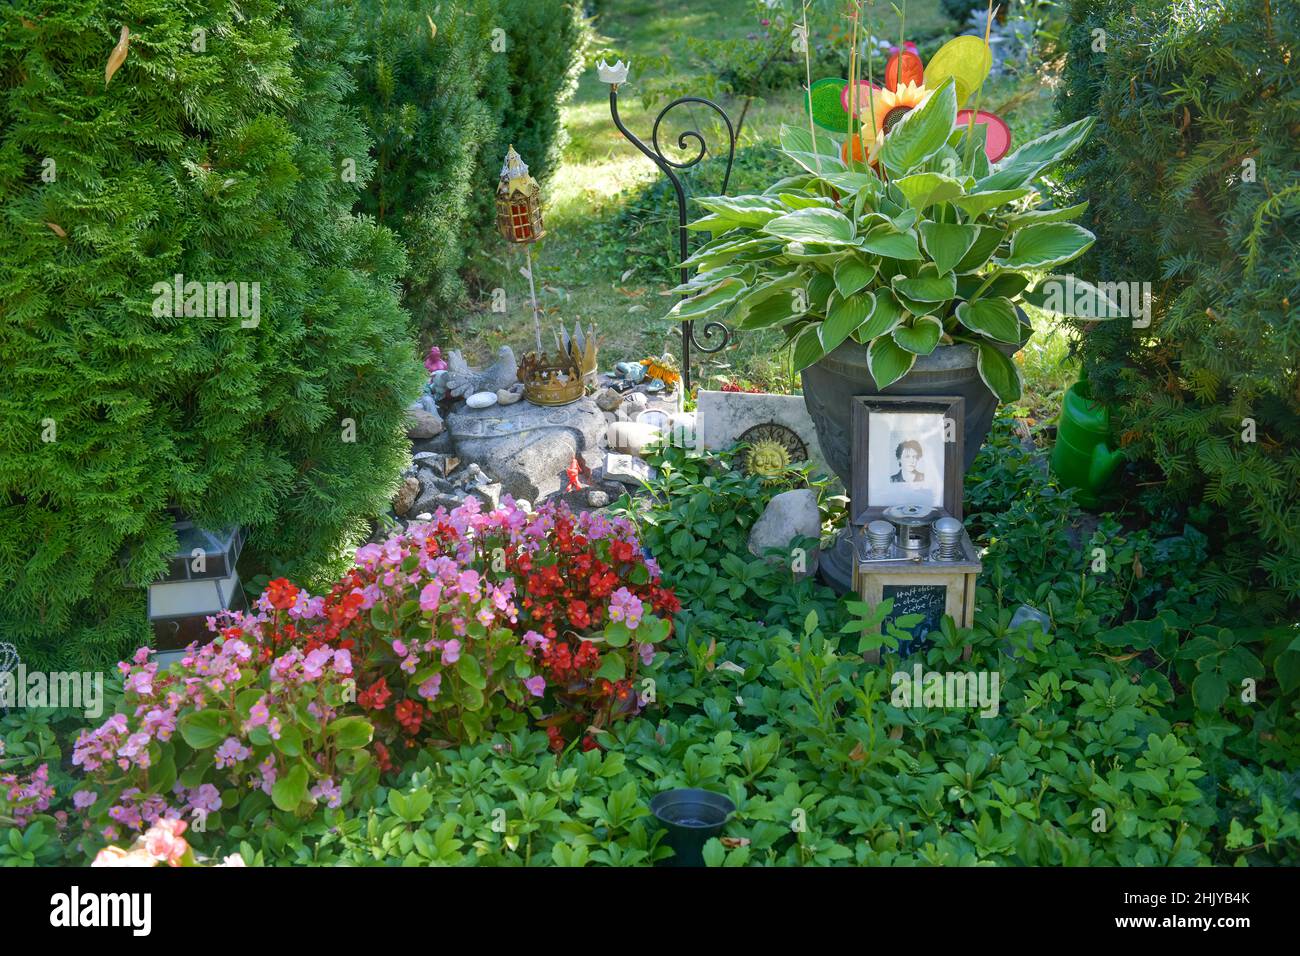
(722, 417)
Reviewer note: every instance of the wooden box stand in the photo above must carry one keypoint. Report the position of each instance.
(931, 587)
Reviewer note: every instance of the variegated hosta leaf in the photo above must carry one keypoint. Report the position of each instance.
(712, 299)
(921, 335)
(998, 372)
(853, 272)
(807, 348)
(1047, 244)
(749, 211)
(995, 317)
(977, 203)
(887, 362)
(947, 242)
(923, 190)
(921, 133)
(1036, 156)
(928, 286)
(894, 245)
(797, 143)
(827, 227)
(885, 316)
(845, 316)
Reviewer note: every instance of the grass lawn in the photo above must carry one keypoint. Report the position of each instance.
(583, 268)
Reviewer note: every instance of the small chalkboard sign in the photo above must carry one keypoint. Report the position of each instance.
(928, 600)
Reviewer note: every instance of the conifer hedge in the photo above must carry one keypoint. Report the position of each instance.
(1193, 179)
(445, 96)
(220, 150)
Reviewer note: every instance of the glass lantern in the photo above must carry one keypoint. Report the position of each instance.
(201, 579)
(519, 205)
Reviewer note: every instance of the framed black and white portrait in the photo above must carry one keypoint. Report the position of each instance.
(907, 450)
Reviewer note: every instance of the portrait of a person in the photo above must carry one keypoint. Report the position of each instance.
(908, 454)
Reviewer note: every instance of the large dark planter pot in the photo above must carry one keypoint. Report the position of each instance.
(829, 387)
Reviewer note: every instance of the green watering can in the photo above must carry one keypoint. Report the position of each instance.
(1082, 458)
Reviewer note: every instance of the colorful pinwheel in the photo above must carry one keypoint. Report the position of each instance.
(907, 83)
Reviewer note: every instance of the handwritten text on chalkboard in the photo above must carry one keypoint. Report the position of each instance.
(927, 600)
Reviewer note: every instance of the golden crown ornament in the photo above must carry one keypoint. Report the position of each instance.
(560, 377)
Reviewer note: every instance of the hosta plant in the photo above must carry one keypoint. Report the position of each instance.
(920, 244)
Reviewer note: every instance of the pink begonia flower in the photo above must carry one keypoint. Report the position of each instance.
(83, 799)
(343, 662)
(164, 841)
(370, 596)
(233, 860)
(267, 774)
(399, 647)
(451, 652)
(468, 583)
(431, 596)
(647, 652)
(430, 688)
(205, 797)
(485, 616)
(536, 685)
(409, 665)
(230, 753)
(327, 791)
(257, 715)
(313, 665)
(626, 607)
(141, 682)
(116, 856)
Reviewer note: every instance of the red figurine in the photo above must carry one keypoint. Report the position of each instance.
(574, 474)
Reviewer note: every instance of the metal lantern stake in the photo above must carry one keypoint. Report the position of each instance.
(614, 76)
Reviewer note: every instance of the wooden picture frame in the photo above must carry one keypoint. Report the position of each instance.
(869, 492)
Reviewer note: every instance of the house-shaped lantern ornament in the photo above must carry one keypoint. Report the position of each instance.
(519, 202)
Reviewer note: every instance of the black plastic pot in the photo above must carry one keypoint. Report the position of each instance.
(692, 818)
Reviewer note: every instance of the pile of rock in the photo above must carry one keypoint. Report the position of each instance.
(435, 480)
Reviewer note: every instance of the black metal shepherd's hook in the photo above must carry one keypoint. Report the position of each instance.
(614, 76)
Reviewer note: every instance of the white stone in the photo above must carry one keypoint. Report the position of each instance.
(508, 396)
(628, 470)
(631, 437)
(789, 515)
(481, 400)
